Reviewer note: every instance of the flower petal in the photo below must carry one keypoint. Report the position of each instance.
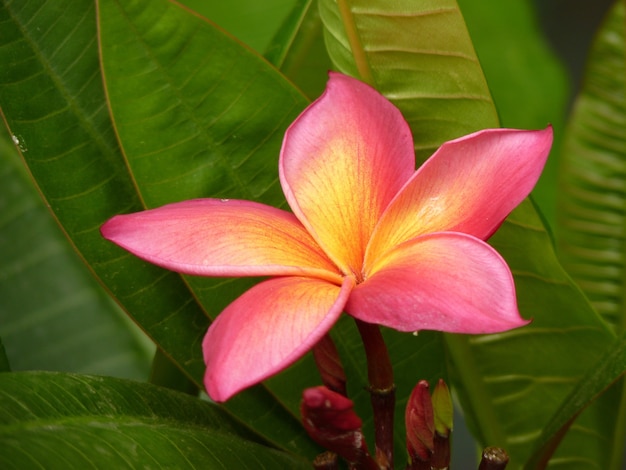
(469, 185)
(267, 329)
(212, 237)
(443, 281)
(342, 162)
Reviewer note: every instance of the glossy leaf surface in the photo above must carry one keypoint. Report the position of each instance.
(527, 81)
(71, 150)
(100, 422)
(506, 403)
(418, 67)
(53, 315)
(609, 368)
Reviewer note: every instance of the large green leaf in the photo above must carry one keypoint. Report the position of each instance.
(199, 125)
(54, 420)
(508, 387)
(592, 194)
(609, 368)
(53, 315)
(525, 374)
(52, 98)
(401, 48)
(529, 85)
(53, 101)
(593, 183)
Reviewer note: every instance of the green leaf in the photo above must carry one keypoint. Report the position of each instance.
(70, 147)
(53, 314)
(515, 381)
(298, 49)
(528, 83)
(593, 183)
(413, 52)
(592, 200)
(68, 143)
(419, 55)
(603, 373)
(53, 420)
(198, 125)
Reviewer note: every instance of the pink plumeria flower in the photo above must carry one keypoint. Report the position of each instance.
(368, 235)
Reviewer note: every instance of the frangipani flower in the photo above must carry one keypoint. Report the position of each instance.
(368, 236)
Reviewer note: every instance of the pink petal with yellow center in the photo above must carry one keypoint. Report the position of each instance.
(267, 329)
(212, 237)
(469, 185)
(342, 162)
(443, 281)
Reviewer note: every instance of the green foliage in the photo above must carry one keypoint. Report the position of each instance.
(593, 197)
(593, 176)
(132, 104)
(53, 315)
(601, 375)
(54, 420)
(418, 67)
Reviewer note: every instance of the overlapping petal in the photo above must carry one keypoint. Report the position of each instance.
(443, 281)
(213, 237)
(267, 329)
(342, 162)
(469, 185)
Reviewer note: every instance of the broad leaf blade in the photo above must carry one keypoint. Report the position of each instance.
(53, 314)
(521, 388)
(95, 422)
(592, 200)
(593, 182)
(506, 404)
(199, 124)
(53, 102)
(68, 143)
(529, 85)
(419, 55)
(609, 368)
(252, 22)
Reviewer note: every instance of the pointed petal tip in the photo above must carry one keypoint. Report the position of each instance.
(447, 281)
(267, 329)
(342, 161)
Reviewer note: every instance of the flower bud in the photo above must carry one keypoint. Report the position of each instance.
(420, 424)
(330, 420)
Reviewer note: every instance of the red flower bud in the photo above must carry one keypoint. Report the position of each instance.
(420, 424)
(330, 420)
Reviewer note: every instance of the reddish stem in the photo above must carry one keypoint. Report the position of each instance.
(382, 390)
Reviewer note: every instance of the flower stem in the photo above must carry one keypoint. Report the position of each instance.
(382, 390)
